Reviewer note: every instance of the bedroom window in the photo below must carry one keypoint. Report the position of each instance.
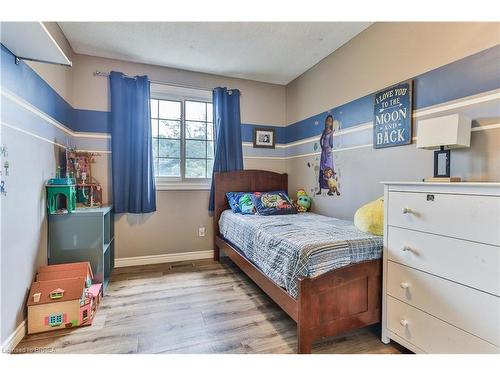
(183, 137)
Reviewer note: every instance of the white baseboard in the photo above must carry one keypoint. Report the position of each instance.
(15, 338)
(163, 258)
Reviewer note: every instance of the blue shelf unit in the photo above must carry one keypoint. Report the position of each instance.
(86, 234)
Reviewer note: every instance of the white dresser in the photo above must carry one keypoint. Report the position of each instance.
(441, 282)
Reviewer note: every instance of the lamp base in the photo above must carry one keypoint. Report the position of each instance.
(442, 179)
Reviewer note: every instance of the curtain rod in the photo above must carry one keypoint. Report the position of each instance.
(104, 74)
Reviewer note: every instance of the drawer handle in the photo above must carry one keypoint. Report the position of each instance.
(404, 285)
(407, 210)
(404, 322)
(407, 248)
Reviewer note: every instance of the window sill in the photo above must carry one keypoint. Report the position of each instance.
(182, 186)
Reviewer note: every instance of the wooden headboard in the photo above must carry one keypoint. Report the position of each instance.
(246, 180)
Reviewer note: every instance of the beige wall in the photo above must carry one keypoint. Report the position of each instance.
(261, 103)
(173, 228)
(383, 54)
(60, 78)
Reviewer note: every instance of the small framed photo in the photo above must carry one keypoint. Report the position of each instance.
(263, 138)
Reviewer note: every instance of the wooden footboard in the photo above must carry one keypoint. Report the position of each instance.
(338, 301)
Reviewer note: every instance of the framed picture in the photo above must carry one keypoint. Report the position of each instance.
(263, 138)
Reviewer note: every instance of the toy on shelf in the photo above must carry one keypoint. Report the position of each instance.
(303, 201)
(61, 186)
(79, 167)
(62, 296)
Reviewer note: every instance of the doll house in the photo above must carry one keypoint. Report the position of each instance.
(79, 167)
(55, 304)
(62, 296)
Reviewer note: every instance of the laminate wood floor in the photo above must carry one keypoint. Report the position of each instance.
(191, 307)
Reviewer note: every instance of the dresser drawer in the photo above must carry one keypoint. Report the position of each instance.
(430, 334)
(469, 217)
(469, 263)
(466, 308)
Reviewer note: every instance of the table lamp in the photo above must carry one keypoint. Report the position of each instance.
(442, 134)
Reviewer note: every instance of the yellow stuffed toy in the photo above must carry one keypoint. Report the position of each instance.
(370, 217)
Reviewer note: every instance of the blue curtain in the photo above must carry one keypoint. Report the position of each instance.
(227, 121)
(131, 145)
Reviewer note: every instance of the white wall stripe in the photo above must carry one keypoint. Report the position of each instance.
(477, 128)
(31, 108)
(485, 127)
(456, 104)
(475, 99)
(459, 103)
(474, 129)
(3, 123)
(30, 133)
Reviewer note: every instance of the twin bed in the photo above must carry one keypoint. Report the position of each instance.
(323, 272)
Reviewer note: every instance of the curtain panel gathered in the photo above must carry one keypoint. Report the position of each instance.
(227, 122)
(132, 153)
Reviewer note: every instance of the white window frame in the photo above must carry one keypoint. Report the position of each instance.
(181, 94)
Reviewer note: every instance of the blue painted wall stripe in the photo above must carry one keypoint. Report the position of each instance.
(27, 84)
(247, 132)
(21, 80)
(465, 77)
(86, 120)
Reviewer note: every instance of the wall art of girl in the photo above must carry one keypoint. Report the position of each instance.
(327, 174)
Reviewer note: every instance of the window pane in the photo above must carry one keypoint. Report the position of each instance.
(155, 147)
(169, 167)
(196, 149)
(210, 131)
(170, 129)
(210, 116)
(154, 108)
(210, 166)
(195, 168)
(169, 148)
(210, 149)
(170, 110)
(154, 128)
(196, 111)
(195, 130)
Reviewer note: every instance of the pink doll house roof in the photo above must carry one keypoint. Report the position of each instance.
(95, 289)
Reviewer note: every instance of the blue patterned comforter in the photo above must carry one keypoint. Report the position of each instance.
(290, 246)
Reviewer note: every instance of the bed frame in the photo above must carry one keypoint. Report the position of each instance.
(327, 305)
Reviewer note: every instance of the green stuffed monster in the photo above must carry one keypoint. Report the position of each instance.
(303, 202)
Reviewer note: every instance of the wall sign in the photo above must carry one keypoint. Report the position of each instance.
(392, 117)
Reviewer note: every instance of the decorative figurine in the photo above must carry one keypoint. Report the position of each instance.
(88, 189)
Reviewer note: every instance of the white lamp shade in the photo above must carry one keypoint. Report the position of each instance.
(452, 131)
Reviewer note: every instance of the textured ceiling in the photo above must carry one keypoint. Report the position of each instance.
(271, 52)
